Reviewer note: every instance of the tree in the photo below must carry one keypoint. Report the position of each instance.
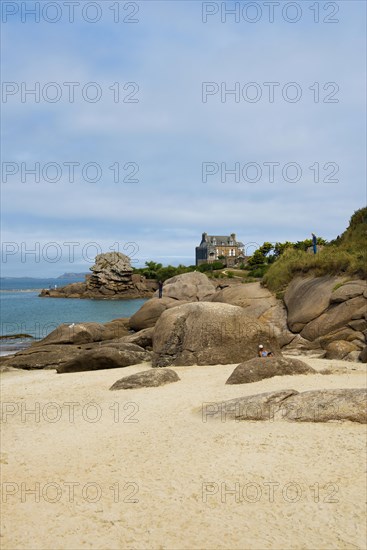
(153, 266)
(165, 273)
(259, 257)
(279, 248)
(256, 259)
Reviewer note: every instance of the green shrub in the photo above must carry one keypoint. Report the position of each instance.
(332, 260)
(259, 271)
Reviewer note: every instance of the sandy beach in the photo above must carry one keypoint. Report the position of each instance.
(142, 469)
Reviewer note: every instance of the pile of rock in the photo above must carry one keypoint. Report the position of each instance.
(320, 316)
(84, 346)
(112, 277)
(328, 314)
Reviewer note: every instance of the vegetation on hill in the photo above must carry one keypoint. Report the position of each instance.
(347, 254)
(276, 264)
(157, 271)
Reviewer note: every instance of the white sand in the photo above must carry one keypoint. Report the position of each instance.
(167, 458)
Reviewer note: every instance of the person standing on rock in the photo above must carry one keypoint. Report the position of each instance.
(160, 289)
(314, 243)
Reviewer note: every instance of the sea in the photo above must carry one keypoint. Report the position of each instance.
(25, 317)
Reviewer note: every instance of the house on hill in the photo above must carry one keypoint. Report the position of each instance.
(213, 247)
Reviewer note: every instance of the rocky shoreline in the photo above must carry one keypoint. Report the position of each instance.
(140, 289)
(194, 323)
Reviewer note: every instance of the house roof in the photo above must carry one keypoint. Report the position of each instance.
(220, 240)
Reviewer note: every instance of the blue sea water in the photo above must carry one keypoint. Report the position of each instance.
(24, 312)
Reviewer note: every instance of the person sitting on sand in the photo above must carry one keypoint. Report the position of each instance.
(263, 353)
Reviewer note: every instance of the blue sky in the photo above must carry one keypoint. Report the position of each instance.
(169, 132)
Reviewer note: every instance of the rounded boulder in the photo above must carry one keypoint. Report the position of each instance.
(208, 333)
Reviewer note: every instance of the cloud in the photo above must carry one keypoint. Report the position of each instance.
(170, 132)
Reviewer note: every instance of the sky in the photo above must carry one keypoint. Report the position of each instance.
(152, 122)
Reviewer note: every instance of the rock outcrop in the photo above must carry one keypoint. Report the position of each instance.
(339, 349)
(290, 405)
(188, 287)
(260, 368)
(112, 278)
(67, 342)
(143, 338)
(149, 313)
(104, 358)
(178, 290)
(83, 333)
(329, 314)
(208, 333)
(146, 379)
(307, 298)
(49, 356)
(260, 303)
(335, 317)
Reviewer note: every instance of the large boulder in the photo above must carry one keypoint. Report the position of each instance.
(208, 333)
(189, 287)
(262, 406)
(80, 333)
(329, 312)
(110, 268)
(116, 328)
(103, 358)
(260, 303)
(344, 333)
(146, 379)
(348, 290)
(276, 317)
(290, 405)
(120, 345)
(85, 333)
(339, 349)
(53, 356)
(337, 316)
(143, 338)
(149, 313)
(260, 368)
(301, 346)
(325, 405)
(50, 356)
(252, 297)
(307, 298)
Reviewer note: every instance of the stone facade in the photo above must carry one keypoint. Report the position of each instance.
(214, 246)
